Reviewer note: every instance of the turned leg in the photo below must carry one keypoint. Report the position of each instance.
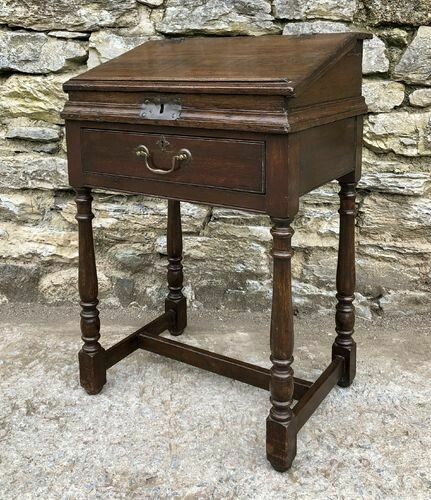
(92, 355)
(344, 344)
(280, 424)
(175, 299)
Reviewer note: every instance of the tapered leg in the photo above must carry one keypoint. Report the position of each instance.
(344, 344)
(92, 355)
(280, 424)
(175, 299)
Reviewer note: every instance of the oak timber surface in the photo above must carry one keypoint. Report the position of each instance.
(284, 62)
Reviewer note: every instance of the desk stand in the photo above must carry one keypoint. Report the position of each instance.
(285, 419)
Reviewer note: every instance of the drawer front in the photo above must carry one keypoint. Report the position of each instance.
(200, 161)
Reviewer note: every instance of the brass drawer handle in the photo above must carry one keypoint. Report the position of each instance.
(182, 157)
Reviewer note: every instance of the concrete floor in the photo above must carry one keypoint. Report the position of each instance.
(161, 429)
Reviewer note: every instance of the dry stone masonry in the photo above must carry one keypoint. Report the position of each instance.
(227, 263)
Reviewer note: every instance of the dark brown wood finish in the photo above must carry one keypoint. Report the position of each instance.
(211, 64)
(253, 85)
(148, 338)
(344, 345)
(160, 186)
(318, 391)
(324, 162)
(92, 355)
(280, 426)
(245, 122)
(216, 363)
(129, 344)
(215, 162)
(175, 300)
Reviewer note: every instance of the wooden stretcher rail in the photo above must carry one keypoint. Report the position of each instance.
(307, 405)
(215, 363)
(309, 395)
(129, 344)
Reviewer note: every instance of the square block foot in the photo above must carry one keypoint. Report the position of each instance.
(349, 355)
(180, 308)
(280, 444)
(92, 371)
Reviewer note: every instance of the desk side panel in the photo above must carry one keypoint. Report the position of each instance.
(341, 81)
(329, 152)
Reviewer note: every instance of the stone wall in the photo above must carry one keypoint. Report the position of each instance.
(45, 42)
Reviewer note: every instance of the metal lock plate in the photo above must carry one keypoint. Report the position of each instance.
(156, 109)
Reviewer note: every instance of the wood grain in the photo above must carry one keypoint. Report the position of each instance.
(215, 162)
(175, 300)
(266, 120)
(344, 345)
(280, 424)
(92, 355)
(210, 63)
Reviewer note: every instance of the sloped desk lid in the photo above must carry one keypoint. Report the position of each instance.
(277, 65)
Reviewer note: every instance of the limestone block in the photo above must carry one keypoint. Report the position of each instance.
(382, 96)
(124, 290)
(37, 243)
(323, 9)
(415, 64)
(29, 52)
(245, 260)
(315, 291)
(62, 286)
(36, 134)
(308, 298)
(375, 59)
(398, 11)
(392, 220)
(253, 295)
(401, 132)
(19, 146)
(234, 17)
(380, 269)
(30, 206)
(230, 224)
(320, 268)
(420, 98)
(316, 226)
(72, 15)
(373, 162)
(404, 183)
(135, 257)
(35, 97)
(33, 171)
(106, 45)
(145, 24)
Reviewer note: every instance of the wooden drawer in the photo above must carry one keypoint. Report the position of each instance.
(203, 161)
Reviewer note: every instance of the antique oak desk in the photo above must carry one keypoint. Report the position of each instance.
(250, 123)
